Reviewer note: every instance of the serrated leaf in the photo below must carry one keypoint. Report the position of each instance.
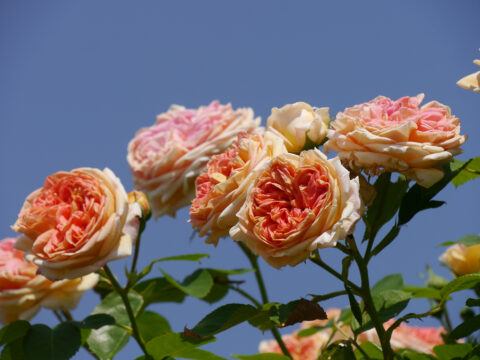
(337, 351)
(452, 351)
(467, 240)
(173, 344)
(473, 302)
(408, 354)
(373, 351)
(264, 356)
(43, 343)
(151, 325)
(466, 328)
(423, 292)
(159, 290)
(198, 354)
(310, 331)
(224, 318)
(13, 331)
(13, 351)
(386, 203)
(95, 321)
(470, 172)
(419, 198)
(198, 284)
(460, 283)
(108, 340)
(389, 282)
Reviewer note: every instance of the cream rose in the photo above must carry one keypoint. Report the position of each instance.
(166, 158)
(397, 136)
(294, 122)
(462, 259)
(222, 186)
(297, 204)
(77, 222)
(23, 292)
(472, 81)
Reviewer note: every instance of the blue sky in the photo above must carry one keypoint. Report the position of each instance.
(77, 79)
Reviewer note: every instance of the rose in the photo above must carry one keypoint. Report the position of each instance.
(23, 292)
(462, 259)
(294, 122)
(221, 187)
(77, 222)
(397, 136)
(472, 81)
(297, 204)
(419, 339)
(166, 158)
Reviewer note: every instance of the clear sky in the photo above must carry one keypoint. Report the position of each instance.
(78, 78)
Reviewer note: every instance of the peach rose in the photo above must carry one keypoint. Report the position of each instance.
(472, 81)
(301, 348)
(77, 222)
(383, 134)
(462, 259)
(294, 122)
(420, 339)
(166, 158)
(221, 187)
(23, 293)
(297, 204)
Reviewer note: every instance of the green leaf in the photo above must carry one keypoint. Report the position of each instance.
(109, 340)
(13, 351)
(310, 331)
(466, 328)
(473, 302)
(224, 318)
(198, 284)
(151, 324)
(264, 356)
(173, 344)
(470, 172)
(389, 282)
(373, 351)
(159, 290)
(460, 283)
(199, 354)
(13, 331)
(95, 321)
(408, 354)
(419, 198)
(467, 240)
(43, 343)
(452, 351)
(388, 304)
(386, 203)
(423, 292)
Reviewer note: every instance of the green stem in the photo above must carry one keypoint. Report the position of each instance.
(57, 315)
(126, 302)
(331, 295)
(317, 260)
(135, 255)
(245, 295)
(366, 295)
(263, 292)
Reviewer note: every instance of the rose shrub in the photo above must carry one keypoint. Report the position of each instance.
(387, 135)
(166, 158)
(77, 222)
(297, 204)
(23, 292)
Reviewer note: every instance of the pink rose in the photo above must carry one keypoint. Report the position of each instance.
(23, 292)
(301, 348)
(166, 158)
(77, 222)
(297, 204)
(383, 134)
(222, 187)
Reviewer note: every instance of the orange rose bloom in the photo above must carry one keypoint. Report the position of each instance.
(297, 204)
(77, 222)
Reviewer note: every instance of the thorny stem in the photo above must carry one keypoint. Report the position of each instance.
(126, 302)
(366, 295)
(263, 292)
